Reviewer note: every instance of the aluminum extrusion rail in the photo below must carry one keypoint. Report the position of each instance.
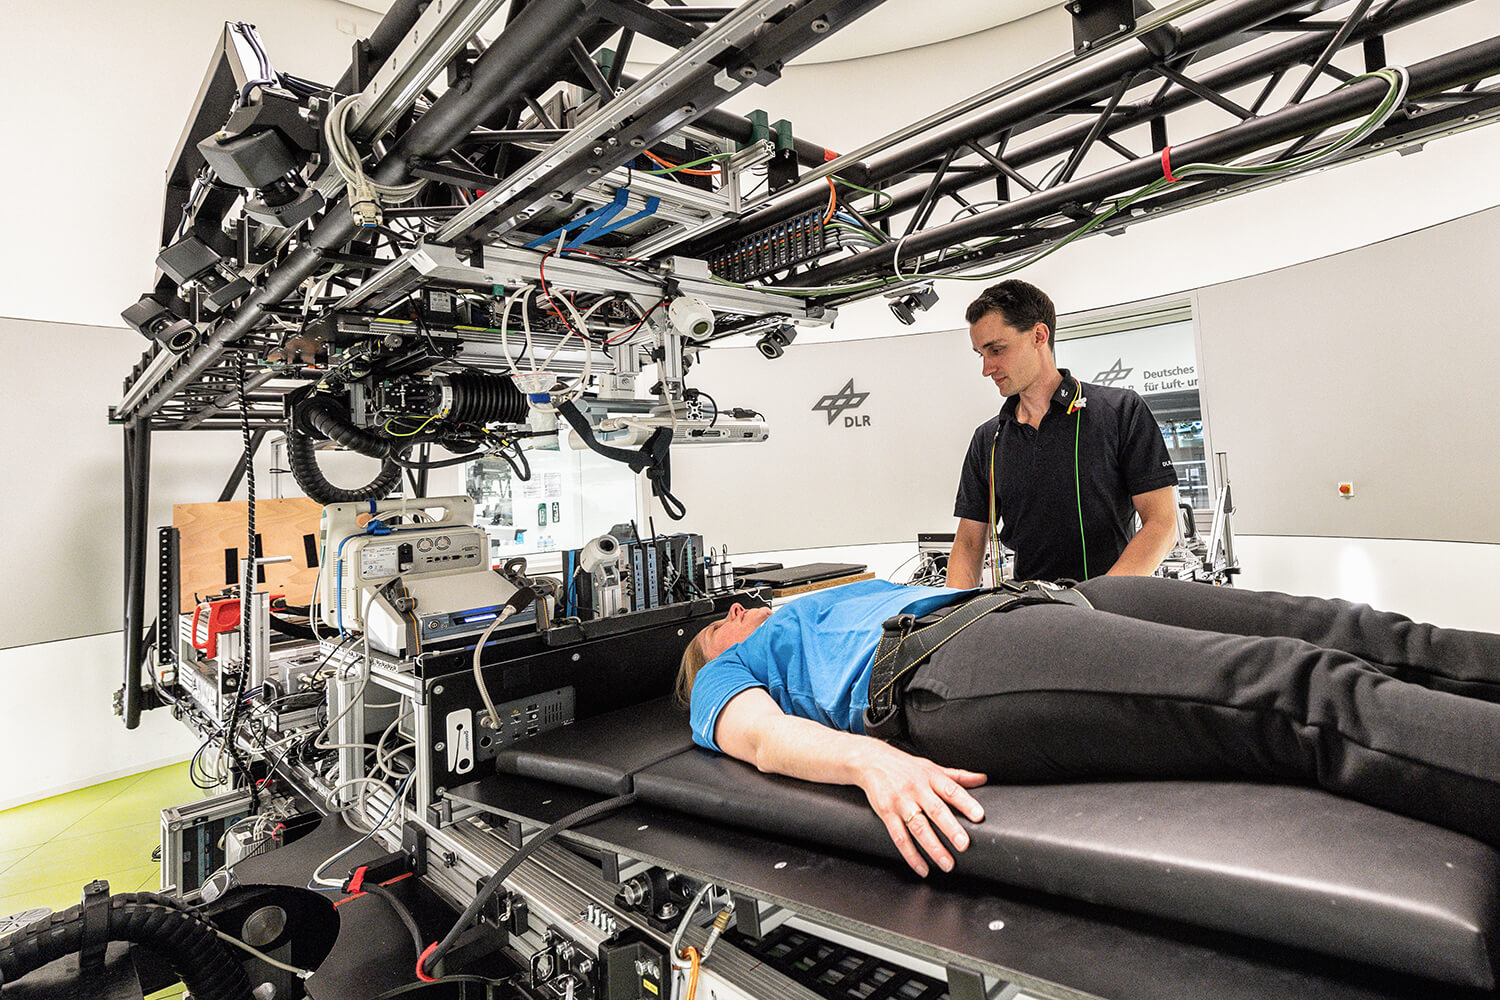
(559, 889)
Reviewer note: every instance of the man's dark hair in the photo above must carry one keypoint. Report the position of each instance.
(1020, 304)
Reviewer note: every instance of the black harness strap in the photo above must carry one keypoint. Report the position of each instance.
(907, 642)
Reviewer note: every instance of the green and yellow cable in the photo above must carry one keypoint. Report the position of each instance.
(889, 201)
(672, 168)
(412, 433)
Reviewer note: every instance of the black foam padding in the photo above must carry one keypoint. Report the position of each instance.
(1291, 865)
(792, 576)
(600, 754)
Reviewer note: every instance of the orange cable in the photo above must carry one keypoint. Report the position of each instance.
(683, 170)
(692, 955)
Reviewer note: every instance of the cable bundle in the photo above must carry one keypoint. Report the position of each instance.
(365, 195)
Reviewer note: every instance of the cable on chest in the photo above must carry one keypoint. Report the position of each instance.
(1075, 410)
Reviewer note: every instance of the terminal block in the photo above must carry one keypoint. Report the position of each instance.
(775, 248)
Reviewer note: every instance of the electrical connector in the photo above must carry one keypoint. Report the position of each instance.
(366, 212)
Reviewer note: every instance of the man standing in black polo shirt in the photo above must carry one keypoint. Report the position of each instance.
(1063, 469)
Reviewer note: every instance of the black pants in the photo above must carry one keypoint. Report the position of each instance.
(1167, 679)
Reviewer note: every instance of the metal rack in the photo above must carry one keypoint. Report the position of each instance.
(1021, 165)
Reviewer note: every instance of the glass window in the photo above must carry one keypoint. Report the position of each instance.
(1155, 355)
(571, 497)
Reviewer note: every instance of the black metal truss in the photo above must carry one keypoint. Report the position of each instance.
(992, 152)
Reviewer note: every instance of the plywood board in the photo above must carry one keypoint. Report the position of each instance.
(807, 588)
(213, 542)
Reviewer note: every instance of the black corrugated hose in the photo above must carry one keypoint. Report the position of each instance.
(302, 456)
(185, 940)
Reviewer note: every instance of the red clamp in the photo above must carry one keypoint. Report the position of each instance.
(356, 881)
(223, 616)
(1166, 165)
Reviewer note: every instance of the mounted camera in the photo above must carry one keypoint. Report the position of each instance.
(691, 317)
(191, 263)
(774, 344)
(261, 149)
(906, 307)
(150, 318)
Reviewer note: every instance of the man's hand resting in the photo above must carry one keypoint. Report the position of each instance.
(913, 797)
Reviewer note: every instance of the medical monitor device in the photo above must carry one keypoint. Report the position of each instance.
(409, 573)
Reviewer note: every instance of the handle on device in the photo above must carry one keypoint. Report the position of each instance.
(223, 616)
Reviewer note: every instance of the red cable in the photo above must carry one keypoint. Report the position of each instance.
(1166, 165)
(353, 896)
(422, 960)
(541, 270)
(623, 336)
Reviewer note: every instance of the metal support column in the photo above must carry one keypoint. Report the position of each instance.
(137, 495)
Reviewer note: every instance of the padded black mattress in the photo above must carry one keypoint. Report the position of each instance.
(1290, 865)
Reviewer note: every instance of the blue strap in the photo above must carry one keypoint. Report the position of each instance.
(599, 222)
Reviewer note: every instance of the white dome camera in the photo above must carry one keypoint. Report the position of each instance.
(691, 317)
(601, 553)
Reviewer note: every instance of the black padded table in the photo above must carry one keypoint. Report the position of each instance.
(1293, 866)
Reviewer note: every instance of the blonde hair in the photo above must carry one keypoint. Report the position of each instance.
(694, 659)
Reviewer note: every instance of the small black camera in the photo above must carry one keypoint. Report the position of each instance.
(774, 344)
(906, 307)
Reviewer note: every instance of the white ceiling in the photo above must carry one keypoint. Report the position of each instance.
(893, 26)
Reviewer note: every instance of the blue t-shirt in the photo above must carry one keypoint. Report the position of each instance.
(813, 656)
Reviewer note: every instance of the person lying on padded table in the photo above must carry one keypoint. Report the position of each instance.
(1120, 677)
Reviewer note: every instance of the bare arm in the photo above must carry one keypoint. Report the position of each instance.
(913, 797)
(1158, 510)
(967, 555)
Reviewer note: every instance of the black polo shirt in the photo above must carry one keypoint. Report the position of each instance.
(1120, 453)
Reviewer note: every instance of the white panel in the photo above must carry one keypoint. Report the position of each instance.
(1451, 584)
(878, 472)
(57, 728)
(63, 529)
(100, 93)
(1378, 366)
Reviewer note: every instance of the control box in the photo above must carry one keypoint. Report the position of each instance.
(409, 572)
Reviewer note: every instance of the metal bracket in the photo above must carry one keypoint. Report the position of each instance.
(755, 919)
(96, 919)
(1097, 21)
(966, 984)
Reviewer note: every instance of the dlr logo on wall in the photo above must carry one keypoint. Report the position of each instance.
(837, 404)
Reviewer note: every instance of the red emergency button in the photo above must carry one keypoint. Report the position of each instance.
(1346, 489)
